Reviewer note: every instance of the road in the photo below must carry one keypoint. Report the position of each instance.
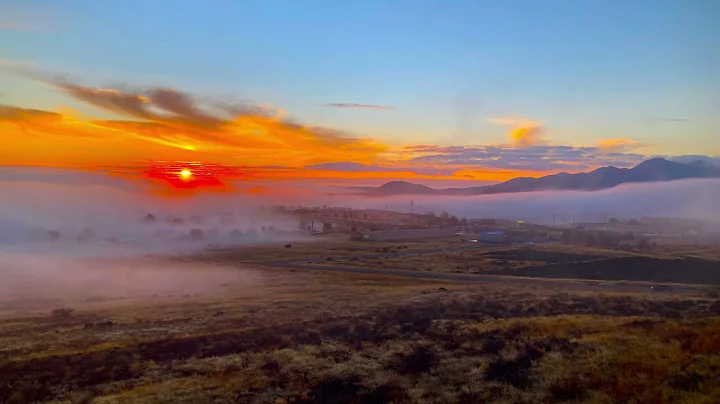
(573, 284)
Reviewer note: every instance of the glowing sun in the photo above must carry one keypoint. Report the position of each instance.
(185, 174)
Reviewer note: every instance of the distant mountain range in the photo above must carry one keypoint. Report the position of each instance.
(653, 170)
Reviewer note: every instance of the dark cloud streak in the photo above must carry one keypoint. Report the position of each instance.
(537, 158)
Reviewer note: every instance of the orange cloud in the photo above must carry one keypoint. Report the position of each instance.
(164, 124)
(161, 131)
(619, 145)
(523, 132)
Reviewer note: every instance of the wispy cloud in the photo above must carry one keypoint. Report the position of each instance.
(541, 158)
(654, 121)
(523, 132)
(620, 145)
(15, 66)
(218, 129)
(359, 106)
(166, 124)
(351, 167)
(676, 119)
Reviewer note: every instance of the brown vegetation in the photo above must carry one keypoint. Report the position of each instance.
(550, 261)
(449, 344)
(317, 336)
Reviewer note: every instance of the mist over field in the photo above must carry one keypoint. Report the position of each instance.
(66, 235)
(95, 215)
(92, 212)
(53, 279)
(70, 237)
(694, 199)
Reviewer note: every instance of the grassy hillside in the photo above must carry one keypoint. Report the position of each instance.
(385, 342)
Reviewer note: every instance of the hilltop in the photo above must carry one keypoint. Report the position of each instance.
(653, 170)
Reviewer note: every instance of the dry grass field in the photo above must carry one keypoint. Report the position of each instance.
(667, 264)
(321, 247)
(304, 336)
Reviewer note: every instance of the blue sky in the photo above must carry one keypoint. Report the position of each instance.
(586, 69)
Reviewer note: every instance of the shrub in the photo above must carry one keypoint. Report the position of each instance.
(62, 312)
(419, 360)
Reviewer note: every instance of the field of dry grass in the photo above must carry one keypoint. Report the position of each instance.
(664, 265)
(296, 336)
(320, 247)
(328, 337)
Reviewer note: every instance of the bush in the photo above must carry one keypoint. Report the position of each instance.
(62, 312)
(420, 360)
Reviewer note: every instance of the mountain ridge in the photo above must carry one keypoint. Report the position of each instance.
(652, 170)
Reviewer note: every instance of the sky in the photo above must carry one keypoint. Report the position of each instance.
(358, 91)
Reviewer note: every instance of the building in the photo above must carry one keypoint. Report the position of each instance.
(492, 236)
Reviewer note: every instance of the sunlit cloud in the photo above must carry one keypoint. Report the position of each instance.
(234, 142)
(523, 132)
(231, 132)
(619, 145)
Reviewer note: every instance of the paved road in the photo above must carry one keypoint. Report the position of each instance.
(545, 282)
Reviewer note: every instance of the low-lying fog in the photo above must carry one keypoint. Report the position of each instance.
(31, 278)
(87, 237)
(695, 199)
(52, 226)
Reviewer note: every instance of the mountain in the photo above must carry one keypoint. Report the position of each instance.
(653, 170)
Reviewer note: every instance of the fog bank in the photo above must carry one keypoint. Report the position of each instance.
(696, 199)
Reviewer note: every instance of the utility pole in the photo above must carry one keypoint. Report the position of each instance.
(553, 219)
(411, 207)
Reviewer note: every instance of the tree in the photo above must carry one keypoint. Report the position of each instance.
(327, 227)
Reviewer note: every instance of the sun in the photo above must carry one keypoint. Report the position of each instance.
(185, 174)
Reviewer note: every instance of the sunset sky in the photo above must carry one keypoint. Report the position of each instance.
(357, 91)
